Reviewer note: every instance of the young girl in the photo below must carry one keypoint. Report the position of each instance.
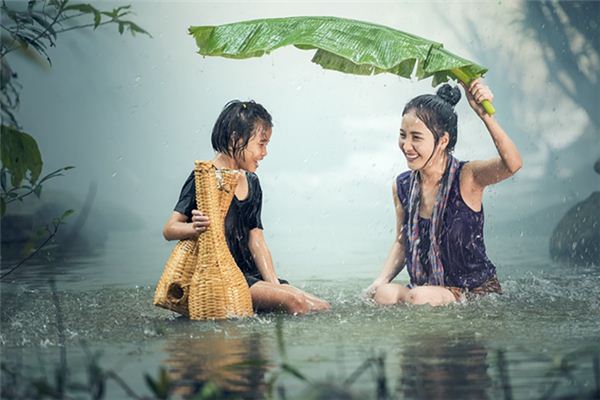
(439, 211)
(240, 138)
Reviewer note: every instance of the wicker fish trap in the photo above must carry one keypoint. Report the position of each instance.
(201, 279)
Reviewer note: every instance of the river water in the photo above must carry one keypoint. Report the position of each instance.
(537, 340)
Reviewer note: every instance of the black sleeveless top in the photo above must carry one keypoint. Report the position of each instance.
(242, 217)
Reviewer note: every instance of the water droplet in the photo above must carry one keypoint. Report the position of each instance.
(114, 174)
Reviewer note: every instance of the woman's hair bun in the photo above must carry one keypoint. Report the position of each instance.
(450, 94)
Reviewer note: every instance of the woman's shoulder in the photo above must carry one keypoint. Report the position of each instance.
(403, 179)
(403, 185)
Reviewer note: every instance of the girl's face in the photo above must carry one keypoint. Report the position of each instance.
(416, 141)
(256, 149)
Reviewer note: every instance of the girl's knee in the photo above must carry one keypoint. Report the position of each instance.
(297, 304)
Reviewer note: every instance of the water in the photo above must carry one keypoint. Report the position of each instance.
(538, 339)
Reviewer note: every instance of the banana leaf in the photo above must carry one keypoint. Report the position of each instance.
(344, 45)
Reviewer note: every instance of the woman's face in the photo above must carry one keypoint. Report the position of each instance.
(416, 141)
(256, 149)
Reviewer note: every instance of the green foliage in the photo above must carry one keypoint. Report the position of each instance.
(114, 16)
(20, 154)
(31, 29)
(162, 385)
(343, 45)
(21, 167)
(569, 39)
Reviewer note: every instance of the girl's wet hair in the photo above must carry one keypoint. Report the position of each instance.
(437, 112)
(236, 125)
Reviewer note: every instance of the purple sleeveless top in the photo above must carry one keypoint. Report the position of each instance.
(463, 251)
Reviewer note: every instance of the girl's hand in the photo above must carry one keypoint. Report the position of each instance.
(200, 222)
(476, 93)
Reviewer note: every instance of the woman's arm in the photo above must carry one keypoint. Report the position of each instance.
(262, 256)
(479, 174)
(396, 258)
(177, 226)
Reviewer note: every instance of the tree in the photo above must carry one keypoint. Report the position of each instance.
(30, 29)
(569, 33)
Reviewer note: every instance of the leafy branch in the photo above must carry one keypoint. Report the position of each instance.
(34, 28)
(51, 230)
(39, 24)
(21, 162)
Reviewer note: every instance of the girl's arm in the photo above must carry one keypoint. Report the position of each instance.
(479, 174)
(396, 259)
(178, 227)
(262, 255)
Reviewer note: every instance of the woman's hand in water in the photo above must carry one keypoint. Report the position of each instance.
(476, 93)
(369, 292)
(200, 222)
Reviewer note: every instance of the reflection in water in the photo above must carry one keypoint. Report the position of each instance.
(234, 362)
(444, 368)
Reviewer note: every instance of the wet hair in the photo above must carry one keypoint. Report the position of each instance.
(437, 113)
(236, 125)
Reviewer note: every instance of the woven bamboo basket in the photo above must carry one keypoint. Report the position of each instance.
(218, 288)
(201, 279)
(173, 287)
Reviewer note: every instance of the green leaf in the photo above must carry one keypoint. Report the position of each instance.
(134, 28)
(343, 45)
(122, 11)
(121, 27)
(38, 191)
(151, 384)
(279, 333)
(54, 174)
(2, 206)
(161, 387)
(44, 389)
(67, 214)
(293, 371)
(209, 391)
(87, 9)
(97, 19)
(47, 25)
(3, 174)
(248, 363)
(82, 8)
(271, 383)
(19, 154)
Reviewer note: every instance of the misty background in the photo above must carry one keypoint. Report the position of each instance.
(133, 113)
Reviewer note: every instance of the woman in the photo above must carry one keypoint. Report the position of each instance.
(439, 211)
